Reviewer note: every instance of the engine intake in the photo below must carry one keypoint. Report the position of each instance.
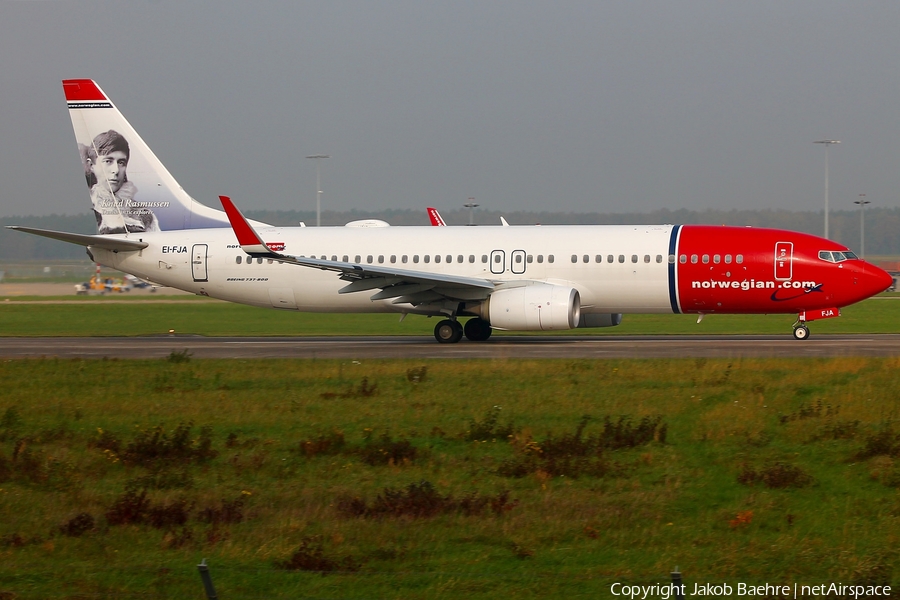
(539, 307)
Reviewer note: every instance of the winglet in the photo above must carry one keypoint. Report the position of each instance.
(435, 216)
(247, 237)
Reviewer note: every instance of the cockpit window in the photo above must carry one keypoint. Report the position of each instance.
(836, 257)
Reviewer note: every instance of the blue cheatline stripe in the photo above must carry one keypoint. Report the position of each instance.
(673, 243)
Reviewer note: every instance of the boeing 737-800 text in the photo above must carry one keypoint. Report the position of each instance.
(511, 278)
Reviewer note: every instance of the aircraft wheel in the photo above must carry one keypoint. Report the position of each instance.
(801, 332)
(448, 332)
(477, 330)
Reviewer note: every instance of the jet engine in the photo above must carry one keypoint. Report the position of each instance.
(539, 307)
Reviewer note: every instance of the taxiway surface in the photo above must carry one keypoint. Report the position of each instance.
(499, 347)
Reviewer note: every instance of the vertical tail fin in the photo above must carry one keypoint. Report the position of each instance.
(131, 191)
(436, 219)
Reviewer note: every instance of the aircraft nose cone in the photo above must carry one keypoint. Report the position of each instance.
(877, 280)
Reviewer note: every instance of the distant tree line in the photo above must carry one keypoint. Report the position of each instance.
(882, 225)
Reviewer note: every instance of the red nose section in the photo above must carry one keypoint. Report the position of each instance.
(877, 279)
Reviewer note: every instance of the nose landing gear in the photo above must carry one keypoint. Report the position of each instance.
(801, 331)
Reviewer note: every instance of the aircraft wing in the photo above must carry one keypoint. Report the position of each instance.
(402, 285)
(106, 242)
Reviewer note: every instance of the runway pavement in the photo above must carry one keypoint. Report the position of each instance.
(498, 347)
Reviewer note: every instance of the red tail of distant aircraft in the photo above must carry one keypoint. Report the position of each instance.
(436, 219)
(514, 278)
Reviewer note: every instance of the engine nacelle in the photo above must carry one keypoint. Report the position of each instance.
(600, 320)
(539, 307)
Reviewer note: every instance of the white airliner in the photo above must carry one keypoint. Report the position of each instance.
(533, 278)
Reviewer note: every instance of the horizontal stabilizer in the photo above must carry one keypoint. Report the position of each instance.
(106, 242)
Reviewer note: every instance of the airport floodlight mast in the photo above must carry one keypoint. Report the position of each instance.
(318, 158)
(471, 206)
(862, 224)
(828, 144)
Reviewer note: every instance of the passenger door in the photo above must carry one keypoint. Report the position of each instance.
(198, 262)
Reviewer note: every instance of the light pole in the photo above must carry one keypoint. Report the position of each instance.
(318, 188)
(827, 143)
(862, 224)
(471, 206)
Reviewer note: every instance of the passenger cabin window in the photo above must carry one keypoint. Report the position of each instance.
(484, 258)
(497, 259)
(634, 258)
(518, 259)
(610, 258)
(381, 259)
(647, 258)
(369, 259)
(393, 258)
(403, 259)
(706, 259)
(238, 259)
(659, 258)
(621, 258)
(694, 259)
(586, 258)
(529, 259)
(739, 259)
(437, 258)
(727, 259)
(540, 258)
(333, 258)
(426, 258)
(459, 259)
(716, 258)
(598, 258)
(574, 258)
(357, 259)
(450, 259)
(415, 258)
(549, 258)
(471, 258)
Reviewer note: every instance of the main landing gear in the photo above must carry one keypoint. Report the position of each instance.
(478, 330)
(449, 331)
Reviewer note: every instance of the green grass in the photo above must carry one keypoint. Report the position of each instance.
(187, 316)
(672, 500)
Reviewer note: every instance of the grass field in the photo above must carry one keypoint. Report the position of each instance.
(193, 315)
(424, 479)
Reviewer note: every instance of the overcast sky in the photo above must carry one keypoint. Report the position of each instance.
(608, 106)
